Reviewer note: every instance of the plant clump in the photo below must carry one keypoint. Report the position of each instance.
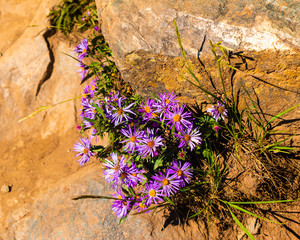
(163, 153)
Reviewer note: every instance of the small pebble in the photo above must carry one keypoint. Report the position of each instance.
(5, 189)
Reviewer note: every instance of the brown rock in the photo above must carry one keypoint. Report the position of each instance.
(142, 37)
(34, 72)
(55, 215)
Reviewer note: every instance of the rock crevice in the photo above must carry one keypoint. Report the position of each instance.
(47, 74)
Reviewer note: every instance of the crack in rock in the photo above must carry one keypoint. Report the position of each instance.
(49, 33)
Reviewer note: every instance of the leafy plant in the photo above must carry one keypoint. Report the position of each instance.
(247, 128)
(69, 13)
(163, 154)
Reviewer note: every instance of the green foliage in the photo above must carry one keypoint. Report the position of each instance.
(70, 13)
(245, 129)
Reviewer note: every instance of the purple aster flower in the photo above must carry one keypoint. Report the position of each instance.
(140, 206)
(165, 102)
(96, 29)
(169, 184)
(119, 114)
(121, 206)
(131, 176)
(114, 97)
(133, 138)
(81, 49)
(83, 70)
(94, 88)
(136, 175)
(153, 193)
(84, 150)
(218, 111)
(87, 124)
(182, 173)
(114, 168)
(87, 108)
(90, 125)
(189, 137)
(85, 104)
(149, 143)
(138, 202)
(86, 91)
(178, 117)
(90, 90)
(148, 110)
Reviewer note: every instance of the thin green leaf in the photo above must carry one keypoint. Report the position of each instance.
(169, 200)
(151, 208)
(280, 114)
(262, 202)
(241, 225)
(278, 142)
(93, 196)
(252, 214)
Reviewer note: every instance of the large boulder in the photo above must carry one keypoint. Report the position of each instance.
(142, 37)
(34, 72)
(54, 215)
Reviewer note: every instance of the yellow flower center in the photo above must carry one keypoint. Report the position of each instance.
(117, 168)
(85, 151)
(152, 193)
(120, 197)
(151, 144)
(165, 182)
(177, 118)
(132, 139)
(187, 138)
(95, 111)
(147, 109)
(120, 111)
(142, 205)
(221, 109)
(84, 50)
(93, 88)
(167, 101)
(179, 172)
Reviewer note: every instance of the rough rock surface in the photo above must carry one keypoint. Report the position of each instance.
(54, 215)
(64, 218)
(34, 72)
(143, 40)
(36, 155)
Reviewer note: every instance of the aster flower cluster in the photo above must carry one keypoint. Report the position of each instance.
(142, 192)
(147, 132)
(157, 117)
